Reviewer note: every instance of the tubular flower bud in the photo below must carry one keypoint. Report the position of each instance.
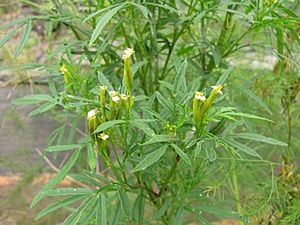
(128, 77)
(198, 102)
(114, 97)
(131, 103)
(103, 90)
(64, 72)
(93, 121)
(123, 99)
(208, 103)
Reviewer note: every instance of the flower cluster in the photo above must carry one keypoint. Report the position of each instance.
(201, 104)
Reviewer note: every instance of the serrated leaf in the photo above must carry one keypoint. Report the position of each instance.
(151, 158)
(182, 154)
(57, 179)
(108, 124)
(24, 38)
(103, 20)
(33, 99)
(260, 138)
(57, 205)
(58, 148)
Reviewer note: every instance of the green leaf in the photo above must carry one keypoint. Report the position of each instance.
(103, 20)
(224, 76)
(91, 157)
(116, 214)
(58, 148)
(43, 108)
(75, 217)
(8, 36)
(178, 216)
(57, 205)
(180, 80)
(256, 98)
(33, 99)
(108, 124)
(182, 154)
(198, 149)
(101, 213)
(165, 6)
(100, 11)
(124, 201)
(143, 9)
(142, 126)
(68, 191)
(160, 138)
(260, 138)
(244, 148)
(57, 179)
(24, 38)
(104, 81)
(151, 158)
(250, 116)
(211, 154)
(138, 208)
(162, 210)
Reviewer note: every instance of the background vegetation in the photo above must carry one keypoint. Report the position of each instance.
(237, 168)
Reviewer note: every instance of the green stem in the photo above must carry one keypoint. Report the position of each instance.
(236, 192)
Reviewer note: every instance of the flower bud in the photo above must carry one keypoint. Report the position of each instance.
(114, 97)
(128, 77)
(93, 121)
(198, 103)
(64, 72)
(103, 90)
(212, 97)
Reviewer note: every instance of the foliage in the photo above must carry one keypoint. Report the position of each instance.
(170, 147)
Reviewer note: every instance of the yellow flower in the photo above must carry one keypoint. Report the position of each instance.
(199, 96)
(127, 53)
(217, 88)
(63, 69)
(103, 136)
(91, 114)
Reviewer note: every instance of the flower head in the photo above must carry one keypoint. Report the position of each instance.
(63, 69)
(91, 114)
(199, 96)
(103, 136)
(217, 88)
(127, 53)
(115, 98)
(123, 97)
(103, 87)
(113, 93)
